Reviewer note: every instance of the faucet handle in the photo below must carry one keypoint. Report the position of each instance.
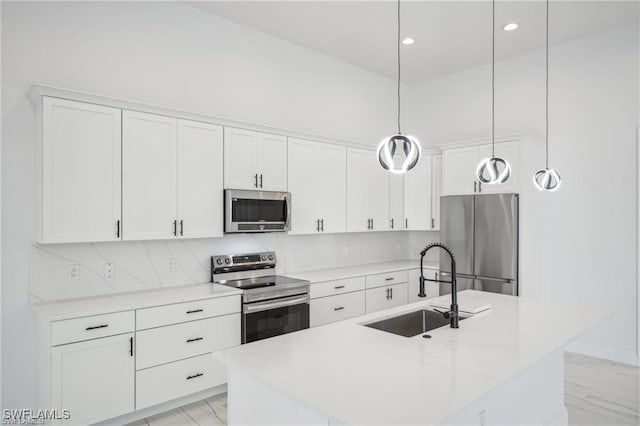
(446, 314)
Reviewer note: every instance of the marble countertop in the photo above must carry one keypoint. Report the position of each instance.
(361, 375)
(74, 308)
(331, 274)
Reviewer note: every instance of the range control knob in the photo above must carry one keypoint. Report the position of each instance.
(264, 257)
(227, 261)
(219, 261)
(270, 257)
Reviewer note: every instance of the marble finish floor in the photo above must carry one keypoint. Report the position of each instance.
(597, 392)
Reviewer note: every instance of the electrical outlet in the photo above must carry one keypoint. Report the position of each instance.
(74, 272)
(172, 266)
(109, 270)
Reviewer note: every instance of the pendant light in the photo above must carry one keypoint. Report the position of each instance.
(406, 147)
(494, 169)
(547, 179)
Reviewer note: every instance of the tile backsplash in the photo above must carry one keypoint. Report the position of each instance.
(143, 265)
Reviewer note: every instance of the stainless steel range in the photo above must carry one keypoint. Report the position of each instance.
(271, 304)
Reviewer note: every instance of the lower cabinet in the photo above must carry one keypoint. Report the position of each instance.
(93, 379)
(431, 289)
(337, 308)
(169, 381)
(386, 297)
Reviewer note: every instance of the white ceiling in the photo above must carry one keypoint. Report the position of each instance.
(450, 35)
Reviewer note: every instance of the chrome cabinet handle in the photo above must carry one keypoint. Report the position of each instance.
(181, 227)
(338, 308)
(194, 311)
(195, 339)
(194, 376)
(318, 225)
(118, 228)
(260, 180)
(175, 227)
(322, 225)
(256, 180)
(95, 327)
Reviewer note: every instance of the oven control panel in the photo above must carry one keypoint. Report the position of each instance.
(243, 262)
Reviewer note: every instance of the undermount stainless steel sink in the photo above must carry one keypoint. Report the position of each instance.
(412, 323)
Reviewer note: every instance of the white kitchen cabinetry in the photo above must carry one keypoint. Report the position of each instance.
(436, 191)
(254, 160)
(386, 297)
(367, 192)
(417, 198)
(413, 288)
(200, 179)
(172, 179)
(317, 176)
(80, 184)
(397, 217)
(93, 379)
(460, 164)
(330, 309)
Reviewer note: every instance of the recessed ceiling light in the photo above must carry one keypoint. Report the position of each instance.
(408, 41)
(511, 26)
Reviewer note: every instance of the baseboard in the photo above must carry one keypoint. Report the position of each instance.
(624, 357)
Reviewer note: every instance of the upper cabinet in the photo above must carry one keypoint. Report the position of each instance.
(417, 190)
(459, 169)
(436, 191)
(397, 219)
(254, 160)
(367, 192)
(317, 176)
(80, 182)
(172, 178)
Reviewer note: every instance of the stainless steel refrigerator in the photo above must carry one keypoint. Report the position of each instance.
(482, 233)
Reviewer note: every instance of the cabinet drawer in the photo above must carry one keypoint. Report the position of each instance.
(386, 297)
(85, 328)
(336, 308)
(169, 381)
(388, 278)
(330, 288)
(174, 342)
(187, 311)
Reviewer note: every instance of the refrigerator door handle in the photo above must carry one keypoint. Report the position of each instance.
(498, 280)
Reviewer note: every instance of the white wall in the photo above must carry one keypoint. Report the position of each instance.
(167, 54)
(578, 244)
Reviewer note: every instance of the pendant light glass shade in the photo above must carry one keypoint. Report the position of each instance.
(493, 170)
(399, 153)
(547, 179)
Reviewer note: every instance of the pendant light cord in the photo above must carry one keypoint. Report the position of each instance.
(546, 136)
(493, 78)
(399, 131)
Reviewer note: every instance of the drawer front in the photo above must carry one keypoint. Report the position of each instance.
(336, 308)
(169, 381)
(186, 311)
(386, 297)
(85, 328)
(387, 279)
(175, 342)
(330, 288)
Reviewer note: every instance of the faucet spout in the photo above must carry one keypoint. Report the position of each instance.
(452, 314)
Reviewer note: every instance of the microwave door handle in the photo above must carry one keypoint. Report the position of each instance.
(287, 211)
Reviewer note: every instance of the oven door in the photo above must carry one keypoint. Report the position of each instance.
(269, 318)
(257, 211)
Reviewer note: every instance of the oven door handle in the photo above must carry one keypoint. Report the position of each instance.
(273, 304)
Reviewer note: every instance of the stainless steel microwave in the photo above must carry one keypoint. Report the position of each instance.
(256, 211)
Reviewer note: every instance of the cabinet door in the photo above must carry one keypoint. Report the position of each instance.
(358, 190)
(94, 379)
(413, 288)
(240, 159)
(382, 298)
(417, 184)
(436, 191)
(81, 169)
(377, 193)
(200, 180)
(332, 194)
(149, 176)
(272, 162)
(459, 170)
(303, 170)
(396, 201)
(508, 151)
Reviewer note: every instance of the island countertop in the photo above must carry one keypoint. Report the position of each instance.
(360, 375)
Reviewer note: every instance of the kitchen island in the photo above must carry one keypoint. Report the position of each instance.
(502, 366)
